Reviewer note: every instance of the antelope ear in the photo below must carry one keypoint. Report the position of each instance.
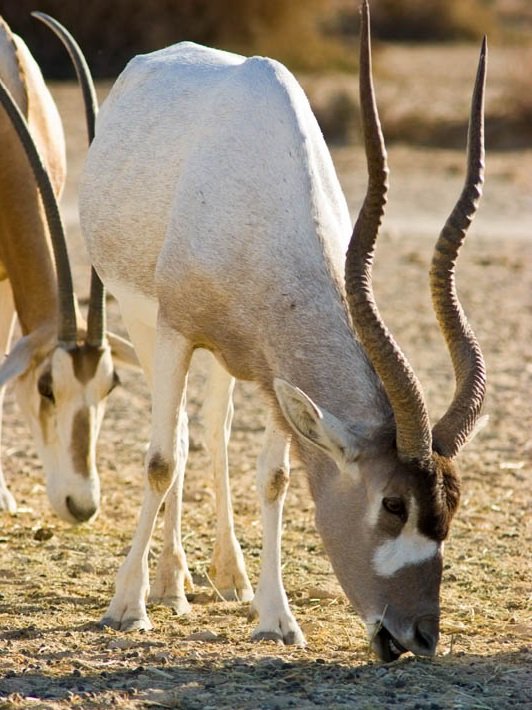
(479, 425)
(19, 359)
(123, 352)
(316, 425)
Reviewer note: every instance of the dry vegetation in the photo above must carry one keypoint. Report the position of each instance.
(305, 34)
(317, 38)
(55, 581)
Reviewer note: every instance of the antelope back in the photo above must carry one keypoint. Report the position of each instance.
(21, 74)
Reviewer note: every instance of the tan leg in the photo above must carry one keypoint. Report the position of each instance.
(275, 619)
(7, 321)
(228, 568)
(172, 576)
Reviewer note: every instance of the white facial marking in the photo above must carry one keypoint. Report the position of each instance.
(409, 548)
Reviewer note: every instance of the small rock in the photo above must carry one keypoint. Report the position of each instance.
(319, 593)
(43, 534)
(121, 644)
(203, 636)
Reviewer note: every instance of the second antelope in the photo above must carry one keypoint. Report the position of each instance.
(62, 371)
(212, 211)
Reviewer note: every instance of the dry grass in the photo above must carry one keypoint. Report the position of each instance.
(111, 33)
(424, 103)
(431, 20)
(55, 581)
(517, 107)
(305, 34)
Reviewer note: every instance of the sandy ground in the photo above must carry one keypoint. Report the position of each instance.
(55, 584)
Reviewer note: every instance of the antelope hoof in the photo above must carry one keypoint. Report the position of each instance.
(228, 572)
(171, 580)
(234, 594)
(268, 636)
(131, 624)
(179, 605)
(291, 637)
(283, 629)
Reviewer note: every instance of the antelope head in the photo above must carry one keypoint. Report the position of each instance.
(64, 370)
(385, 513)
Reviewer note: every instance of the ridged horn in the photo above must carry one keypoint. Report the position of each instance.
(96, 321)
(414, 437)
(453, 429)
(67, 326)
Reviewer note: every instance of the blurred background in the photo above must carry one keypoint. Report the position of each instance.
(305, 34)
(317, 40)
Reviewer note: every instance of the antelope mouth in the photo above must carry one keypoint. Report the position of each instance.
(386, 646)
(80, 514)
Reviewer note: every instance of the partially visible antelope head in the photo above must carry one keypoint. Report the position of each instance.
(385, 534)
(63, 370)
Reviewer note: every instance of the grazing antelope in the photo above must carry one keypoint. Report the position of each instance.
(62, 371)
(212, 211)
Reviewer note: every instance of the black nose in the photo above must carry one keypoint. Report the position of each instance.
(426, 635)
(81, 514)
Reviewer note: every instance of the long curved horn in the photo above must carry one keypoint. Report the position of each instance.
(67, 330)
(453, 429)
(414, 438)
(80, 65)
(96, 322)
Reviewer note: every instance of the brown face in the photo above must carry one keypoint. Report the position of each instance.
(382, 521)
(383, 527)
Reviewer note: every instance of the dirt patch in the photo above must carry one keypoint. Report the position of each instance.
(55, 581)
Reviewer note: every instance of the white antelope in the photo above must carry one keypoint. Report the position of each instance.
(212, 211)
(62, 371)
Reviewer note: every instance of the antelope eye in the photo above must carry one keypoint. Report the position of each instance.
(44, 385)
(395, 506)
